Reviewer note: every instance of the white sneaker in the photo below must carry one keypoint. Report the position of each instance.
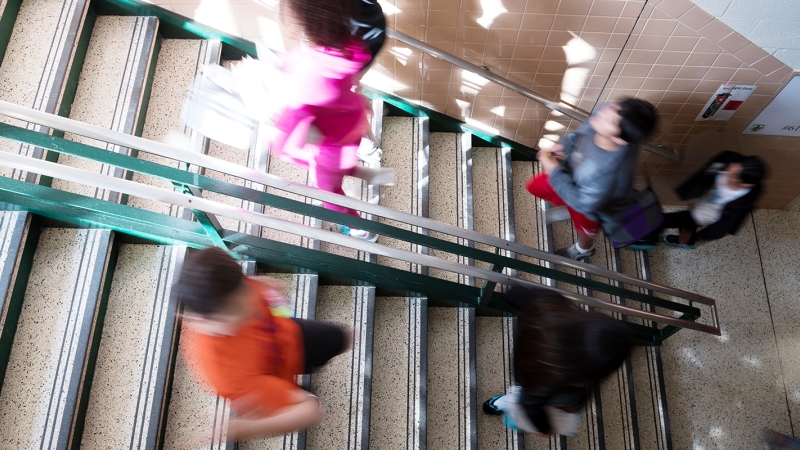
(382, 176)
(368, 151)
(364, 235)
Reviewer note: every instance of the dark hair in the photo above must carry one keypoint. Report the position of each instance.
(558, 348)
(325, 23)
(753, 170)
(208, 277)
(560, 344)
(637, 119)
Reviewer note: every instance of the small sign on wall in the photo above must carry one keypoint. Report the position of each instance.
(725, 101)
(782, 116)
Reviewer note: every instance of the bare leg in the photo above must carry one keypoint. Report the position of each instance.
(585, 242)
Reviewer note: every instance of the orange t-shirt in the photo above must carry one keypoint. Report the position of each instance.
(259, 362)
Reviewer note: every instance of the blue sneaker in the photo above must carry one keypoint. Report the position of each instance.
(364, 235)
(490, 408)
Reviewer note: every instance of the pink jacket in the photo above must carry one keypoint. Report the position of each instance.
(318, 88)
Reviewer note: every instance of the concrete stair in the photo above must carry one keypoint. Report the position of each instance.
(91, 336)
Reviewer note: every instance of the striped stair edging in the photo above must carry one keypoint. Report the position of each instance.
(625, 372)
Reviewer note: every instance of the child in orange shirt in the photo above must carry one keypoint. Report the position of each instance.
(248, 354)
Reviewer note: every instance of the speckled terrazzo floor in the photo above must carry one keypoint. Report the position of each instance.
(723, 391)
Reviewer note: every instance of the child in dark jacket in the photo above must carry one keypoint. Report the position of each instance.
(559, 348)
(723, 192)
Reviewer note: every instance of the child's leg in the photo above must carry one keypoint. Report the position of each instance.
(587, 229)
(539, 185)
(327, 174)
(683, 221)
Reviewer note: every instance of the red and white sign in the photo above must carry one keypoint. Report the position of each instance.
(725, 101)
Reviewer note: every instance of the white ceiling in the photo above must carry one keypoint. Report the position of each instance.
(773, 25)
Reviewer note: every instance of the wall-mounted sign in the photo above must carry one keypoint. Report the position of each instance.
(782, 116)
(725, 102)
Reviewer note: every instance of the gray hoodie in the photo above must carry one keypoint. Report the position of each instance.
(593, 181)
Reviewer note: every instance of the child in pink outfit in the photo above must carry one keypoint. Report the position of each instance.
(318, 88)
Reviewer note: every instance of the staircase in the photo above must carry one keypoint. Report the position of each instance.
(90, 345)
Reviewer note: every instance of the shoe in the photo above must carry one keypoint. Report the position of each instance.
(381, 176)
(642, 245)
(777, 441)
(490, 408)
(364, 235)
(673, 240)
(572, 252)
(368, 151)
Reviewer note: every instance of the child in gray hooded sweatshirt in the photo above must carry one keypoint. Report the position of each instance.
(591, 169)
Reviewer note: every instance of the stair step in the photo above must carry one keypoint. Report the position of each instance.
(48, 36)
(492, 190)
(494, 367)
(302, 296)
(344, 386)
(131, 376)
(452, 402)
(398, 416)
(111, 89)
(45, 385)
(18, 240)
(179, 60)
(452, 413)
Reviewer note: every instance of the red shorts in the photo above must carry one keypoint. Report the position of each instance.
(539, 185)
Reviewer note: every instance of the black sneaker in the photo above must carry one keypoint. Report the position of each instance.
(489, 408)
(673, 240)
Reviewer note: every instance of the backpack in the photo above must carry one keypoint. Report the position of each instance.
(640, 216)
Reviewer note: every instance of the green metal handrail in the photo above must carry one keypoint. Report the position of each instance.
(161, 228)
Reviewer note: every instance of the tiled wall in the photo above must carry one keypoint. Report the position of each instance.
(582, 52)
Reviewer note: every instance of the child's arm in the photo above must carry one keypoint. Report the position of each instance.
(584, 199)
(305, 411)
(727, 224)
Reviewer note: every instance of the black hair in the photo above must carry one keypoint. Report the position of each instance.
(208, 277)
(560, 344)
(753, 170)
(325, 23)
(558, 348)
(637, 119)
